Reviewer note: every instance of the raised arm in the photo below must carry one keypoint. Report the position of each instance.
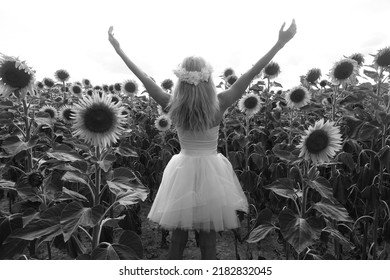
(156, 92)
(228, 97)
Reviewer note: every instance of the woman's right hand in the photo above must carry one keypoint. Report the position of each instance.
(285, 36)
(114, 42)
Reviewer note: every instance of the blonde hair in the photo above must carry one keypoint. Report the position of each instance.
(194, 107)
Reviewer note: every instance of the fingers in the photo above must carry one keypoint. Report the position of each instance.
(281, 28)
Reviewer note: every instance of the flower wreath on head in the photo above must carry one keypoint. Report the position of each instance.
(193, 77)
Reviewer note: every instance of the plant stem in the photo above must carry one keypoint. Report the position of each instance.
(29, 164)
(96, 228)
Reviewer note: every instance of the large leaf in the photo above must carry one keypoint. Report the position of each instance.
(283, 187)
(283, 152)
(75, 215)
(63, 152)
(126, 149)
(337, 235)
(333, 210)
(129, 247)
(127, 187)
(75, 177)
(296, 230)
(260, 232)
(13, 145)
(322, 186)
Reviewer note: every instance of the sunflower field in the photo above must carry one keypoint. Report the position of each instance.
(80, 162)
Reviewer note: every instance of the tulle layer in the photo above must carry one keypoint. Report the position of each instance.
(198, 192)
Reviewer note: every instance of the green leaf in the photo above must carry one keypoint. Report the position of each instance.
(106, 251)
(347, 159)
(285, 153)
(126, 149)
(372, 74)
(69, 194)
(296, 231)
(13, 145)
(283, 187)
(112, 222)
(38, 229)
(339, 237)
(65, 155)
(75, 215)
(248, 178)
(322, 186)
(384, 157)
(133, 241)
(75, 177)
(260, 232)
(333, 210)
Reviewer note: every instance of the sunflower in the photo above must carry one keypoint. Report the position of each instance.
(271, 70)
(15, 75)
(344, 72)
(105, 88)
(320, 142)
(50, 110)
(125, 112)
(39, 85)
(228, 72)
(358, 57)
(65, 113)
(97, 120)
(111, 88)
(86, 83)
(48, 82)
(89, 92)
(382, 59)
(313, 75)
(249, 104)
(115, 98)
(323, 83)
(76, 89)
(163, 123)
(297, 97)
(231, 79)
(129, 87)
(167, 84)
(118, 87)
(61, 75)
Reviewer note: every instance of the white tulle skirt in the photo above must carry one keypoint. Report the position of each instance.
(199, 192)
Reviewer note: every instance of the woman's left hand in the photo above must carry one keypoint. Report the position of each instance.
(114, 42)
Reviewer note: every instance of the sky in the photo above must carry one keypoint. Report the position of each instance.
(158, 34)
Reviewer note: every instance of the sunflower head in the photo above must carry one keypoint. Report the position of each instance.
(118, 87)
(163, 123)
(313, 75)
(344, 72)
(62, 75)
(358, 57)
(323, 83)
(320, 142)
(111, 88)
(98, 88)
(382, 58)
(271, 70)
(115, 98)
(15, 75)
(86, 83)
(167, 84)
(76, 89)
(231, 79)
(48, 82)
(89, 92)
(129, 88)
(39, 85)
(228, 72)
(97, 120)
(297, 97)
(50, 110)
(105, 88)
(249, 104)
(65, 114)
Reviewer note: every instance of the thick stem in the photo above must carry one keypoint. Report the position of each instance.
(246, 148)
(29, 163)
(96, 228)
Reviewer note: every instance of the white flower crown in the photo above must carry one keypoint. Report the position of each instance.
(193, 77)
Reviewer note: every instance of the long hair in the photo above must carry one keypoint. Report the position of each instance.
(194, 107)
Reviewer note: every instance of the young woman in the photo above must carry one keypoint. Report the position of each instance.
(199, 189)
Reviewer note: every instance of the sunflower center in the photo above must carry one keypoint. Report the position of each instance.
(14, 77)
(130, 87)
(67, 114)
(163, 122)
(228, 72)
(297, 95)
(271, 69)
(99, 118)
(384, 59)
(50, 112)
(76, 89)
(117, 87)
(62, 75)
(250, 102)
(317, 141)
(343, 70)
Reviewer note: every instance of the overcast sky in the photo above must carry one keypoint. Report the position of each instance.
(157, 35)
